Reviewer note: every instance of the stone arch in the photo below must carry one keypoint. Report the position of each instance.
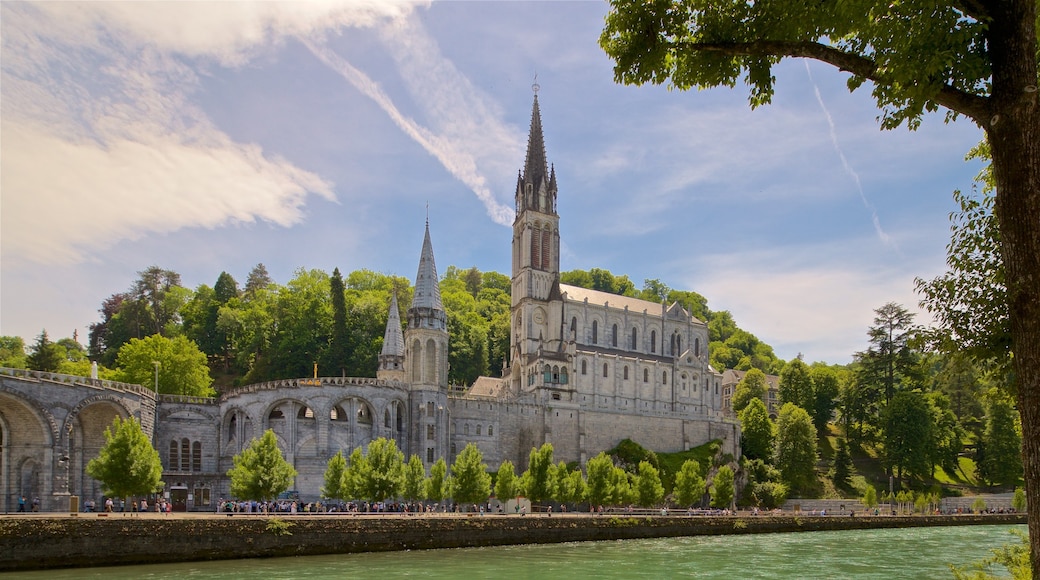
(27, 433)
(235, 430)
(84, 436)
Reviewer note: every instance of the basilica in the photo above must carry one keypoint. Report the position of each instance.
(586, 369)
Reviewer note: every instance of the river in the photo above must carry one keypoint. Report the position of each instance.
(881, 554)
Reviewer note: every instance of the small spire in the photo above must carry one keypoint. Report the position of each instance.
(393, 340)
(427, 284)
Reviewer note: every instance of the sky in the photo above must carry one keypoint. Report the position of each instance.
(203, 137)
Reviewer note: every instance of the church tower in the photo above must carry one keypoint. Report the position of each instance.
(537, 305)
(426, 361)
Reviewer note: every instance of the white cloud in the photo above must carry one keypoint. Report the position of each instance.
(102, 141)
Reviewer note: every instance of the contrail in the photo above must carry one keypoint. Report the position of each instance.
(459, 163)
(845, 163)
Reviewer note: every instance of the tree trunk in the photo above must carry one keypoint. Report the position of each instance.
(1014, 136)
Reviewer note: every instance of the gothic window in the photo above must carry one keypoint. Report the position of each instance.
(664, 377)
(678, 344)
(185, 455)
(546, 248)
(584, 367)
(697, 347)
(430, 432)
(547, 374)
(563, 376)
(491, 431)
(465, 429)
(613, 336)
(646, 375)
(574, 328)
(555, 374)
(196, 456)
(536, 253)
(653, 341)
(604, 369)
(416, 356)
(634, 343)
(595, 331)
(429, 453)
(174, 459)
(478, 430)
(626, 372)
(429, 408)
(431, 363)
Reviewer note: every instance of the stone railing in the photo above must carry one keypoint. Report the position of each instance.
(188, 399)
(77, 381)
(318, 382)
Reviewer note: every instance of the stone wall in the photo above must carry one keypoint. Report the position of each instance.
(103, 541)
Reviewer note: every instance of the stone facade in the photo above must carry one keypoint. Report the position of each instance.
(586, 369)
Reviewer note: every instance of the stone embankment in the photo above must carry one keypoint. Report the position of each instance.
(28, 543)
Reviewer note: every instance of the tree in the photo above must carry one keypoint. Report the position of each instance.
(339, 345)
(435, 484)
(826, 386)
(257, 280)
(722, 488)
(334, 472)
(796, 386)
(183, 369)
(890, 364)
(1001, 463)
(1018, 500)
(538, 481)
(757, 432)
(908, 435)
(127, 464)
(689, 485)
(414, 485)
(752, 386)
(974, 58)
(44, 355)
(383, 474)
(471, 482)
(795, 454)
(260, 471)
(869, 499)
(506, 482)
(842, 465)
(12, 352)
(600, 470)
(648, 488)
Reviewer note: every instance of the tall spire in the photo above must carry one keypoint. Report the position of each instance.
(393, 340)
(427, 285)
(535, 167)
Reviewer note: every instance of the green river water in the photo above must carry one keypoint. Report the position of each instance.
(880, 554)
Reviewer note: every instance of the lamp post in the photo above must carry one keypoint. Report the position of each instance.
(156, 363)
(65, 461)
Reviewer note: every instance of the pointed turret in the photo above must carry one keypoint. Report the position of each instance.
(536, 185)
(426, 338)
(535, 166)
(391, 358)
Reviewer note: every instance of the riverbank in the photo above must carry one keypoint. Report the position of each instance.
(30, 543)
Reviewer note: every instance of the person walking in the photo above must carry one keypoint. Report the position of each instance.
(21, 503)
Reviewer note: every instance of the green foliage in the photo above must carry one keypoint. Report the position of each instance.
(506, 481)
(758, 432)
(470, 481)
(600, 471)
(796, 386)
(649, 490)
(260, 471)
(842, 472)
(890, 364)
(795, 454)
(722, 488)
(538, 479)
(752, 386)
(44, 355)
(435, 485)
(1001, 443)
(629, 454)
(279, 527)
(908, 435)
(689, 484)
(1014, 558)
(334, 472)
(127, 464)
(1018, 500)
(182, 366)
(12, 352)
(414, 484)
(869, 499)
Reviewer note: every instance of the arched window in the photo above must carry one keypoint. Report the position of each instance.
(174, 459)
(574, 328)
(664, 377)
(626, 372)
(634, 342)
(478, 430)
(547, 374)
(604, 369)
(678, 344)
(386, 418)
(613, 336)
(491, 431)
(653, 341)
(595, 331)
(232, 427)
(431, 432)
(556, 374)
(416, 356)
(563, 376)
(196, 456)
(185, 455)
(431, 363)
(465, 429)
(546, 248)
(697, 346)
(646, 375)
(584, 367)
(536, 252)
